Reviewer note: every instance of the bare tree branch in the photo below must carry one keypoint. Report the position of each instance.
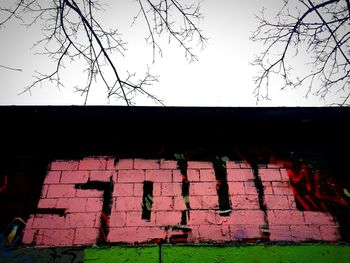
(10, 68)
(321, 28)
(158, 17)
(72, 32)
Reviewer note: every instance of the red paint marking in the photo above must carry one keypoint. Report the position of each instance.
(336, 199)
(309, 198)
(300, 199)
(303, 179)
(102, 232)
(218, 184)
(4, 187)
(156, 241)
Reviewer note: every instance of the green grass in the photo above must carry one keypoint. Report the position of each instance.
(221, 254)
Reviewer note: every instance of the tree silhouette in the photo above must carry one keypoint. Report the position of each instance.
(318, 28)
(72, 31)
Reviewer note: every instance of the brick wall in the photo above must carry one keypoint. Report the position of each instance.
(98, 200)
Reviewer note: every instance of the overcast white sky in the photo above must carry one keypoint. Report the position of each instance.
(221, 77)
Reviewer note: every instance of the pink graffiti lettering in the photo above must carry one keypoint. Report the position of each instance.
(81, 225)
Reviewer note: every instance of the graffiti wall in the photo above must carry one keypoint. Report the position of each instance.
(144, 184)
(103, 200)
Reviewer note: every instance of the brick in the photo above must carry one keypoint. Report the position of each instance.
(277, 202)
(128, 203)
(202, 217)
(52, 177)
(28, 236)
(282, 188)
(196, 202)
(157, 189)
(89, 193)
(199, 165)
(147, 234)
(193, 175)
(92, 164)
(236, 188)
(125, 164)
(249, 217)
(280, 233)
(48, 221)
(163, 203)
(175, 235)
(86, 236)
(177, 176)
(131, 176)
(267, 188)
(168, 218)
(29, 222)
(138, 189)
(61, 165)
(39, 237)
(47, 203)
(245, 165)
(232, 165)
(117, 219)
(209, 201)
(44, 190)
(168, 164)
(270, 174)
(207, 175)
(285, 217)
(284, 175)
(318, 218)
(239, 175)
(101, 176)
(214, 233)
(84, 206)
(124, 189)
(72, 204)
(171, 189)
(159, 176)
(58, 237)
(81, 220)
(241, 232)
(274, 165)
(135, 234)
(146, 164)
(122, 234)
(203, 188)
(330, 233)
(305, 232)
(249, 188)
(135, 219)
(110, 164)
(179, 203)
(94, 205)
(194, 236)
(61, 190)
(292, 203)
(248, 202)
(74, 177)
